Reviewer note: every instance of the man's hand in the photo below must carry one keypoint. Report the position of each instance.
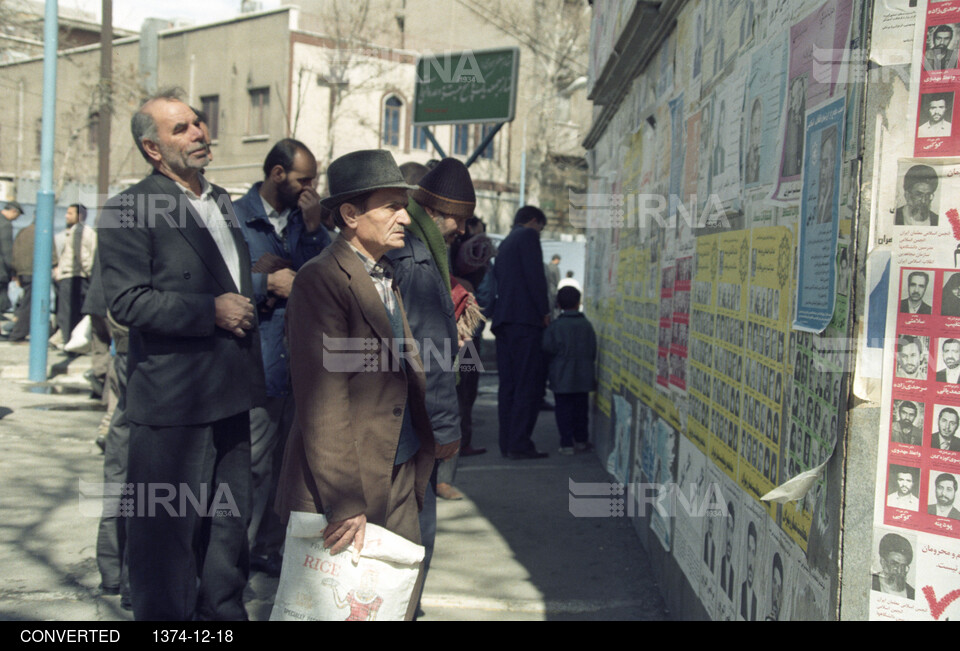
(446, 451)
(280, 282)
(338, 535)
(546, 320)
(234, 313)
(309, 203)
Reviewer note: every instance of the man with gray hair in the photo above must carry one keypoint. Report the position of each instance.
(176, 271)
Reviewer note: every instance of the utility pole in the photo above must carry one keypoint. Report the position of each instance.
(43, 223)
(105, 110)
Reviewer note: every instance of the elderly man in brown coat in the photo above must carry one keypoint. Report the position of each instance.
(361, 448)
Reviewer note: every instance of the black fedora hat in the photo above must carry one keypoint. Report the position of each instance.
(360, 172)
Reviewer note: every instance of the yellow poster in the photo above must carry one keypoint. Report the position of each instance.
(733, 266)
(703, 317)
(764, 341)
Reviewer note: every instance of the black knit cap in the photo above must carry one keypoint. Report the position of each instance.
(448, 189)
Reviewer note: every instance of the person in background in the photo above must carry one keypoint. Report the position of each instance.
(570, 344)
(552, 272)
(194, 369)
(361, 448)
(280, 221)
(520, 315)
(23, 267)
(472, 254)
(74, 270)
(11, 210)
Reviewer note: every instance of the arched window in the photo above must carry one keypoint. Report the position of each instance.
(391, 121)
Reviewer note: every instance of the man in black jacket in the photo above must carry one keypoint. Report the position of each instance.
(519, 317)
(176, 271)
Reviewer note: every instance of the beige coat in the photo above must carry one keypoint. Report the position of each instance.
(340, 452)
(67, 267)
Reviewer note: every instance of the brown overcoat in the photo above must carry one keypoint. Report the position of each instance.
(339, 455)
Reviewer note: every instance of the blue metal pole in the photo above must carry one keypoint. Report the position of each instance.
(43, 240)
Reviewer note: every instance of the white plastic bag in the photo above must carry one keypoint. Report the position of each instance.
(80, 337)
(317, 586)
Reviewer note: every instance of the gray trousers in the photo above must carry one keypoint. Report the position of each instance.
(111, 536)
(269, 427)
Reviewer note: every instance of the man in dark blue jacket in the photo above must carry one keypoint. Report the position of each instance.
(439, 207)
(519, 317)
(280, 220)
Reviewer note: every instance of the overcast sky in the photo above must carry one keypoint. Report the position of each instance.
(129, 14)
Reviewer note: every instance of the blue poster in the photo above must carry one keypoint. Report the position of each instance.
(819, 218)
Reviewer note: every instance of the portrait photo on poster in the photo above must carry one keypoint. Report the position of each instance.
(892, 570)
(916, 293)
(912, 357)
(948, 359)
(903, 488)
(917, 195)
(950, 297)
(935, 117)
(942, 495)
(940, 51)
(796, 111)
(907, 426)
(945, 422)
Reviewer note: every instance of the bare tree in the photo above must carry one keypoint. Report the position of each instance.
(354, 61)
(554, 36)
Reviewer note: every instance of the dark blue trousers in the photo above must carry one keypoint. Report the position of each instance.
(522, 378)
(572, 412)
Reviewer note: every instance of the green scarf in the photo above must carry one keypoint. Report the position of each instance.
(423, 226)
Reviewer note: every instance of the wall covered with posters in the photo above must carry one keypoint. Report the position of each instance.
(724, 198)
(774, 274)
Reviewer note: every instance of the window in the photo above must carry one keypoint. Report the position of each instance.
(420, 140)
(461, 139)
(211, 106)
(93, 130)
(391, 121)
(259, 112)
(484, 132)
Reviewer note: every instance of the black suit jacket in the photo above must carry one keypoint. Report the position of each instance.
(161, 272)
(953, 515)
(924, 308)
(935, 442)
(521, 280)
(942, 376)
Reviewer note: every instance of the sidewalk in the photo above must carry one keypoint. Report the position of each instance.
(509, 551)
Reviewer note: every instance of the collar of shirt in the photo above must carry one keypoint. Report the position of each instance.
(209, 212)
(278, 219)
(205, 190)
(379, 269)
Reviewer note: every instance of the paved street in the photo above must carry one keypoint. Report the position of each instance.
(509, 551)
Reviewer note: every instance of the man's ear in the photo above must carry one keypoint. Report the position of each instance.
(152, 149)
(349, 213)
(278, 175)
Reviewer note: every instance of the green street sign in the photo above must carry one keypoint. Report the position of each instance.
(467, 87)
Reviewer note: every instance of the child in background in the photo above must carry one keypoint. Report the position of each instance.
(571, 347)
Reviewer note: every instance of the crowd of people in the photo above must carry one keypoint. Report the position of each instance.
(237, 376)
